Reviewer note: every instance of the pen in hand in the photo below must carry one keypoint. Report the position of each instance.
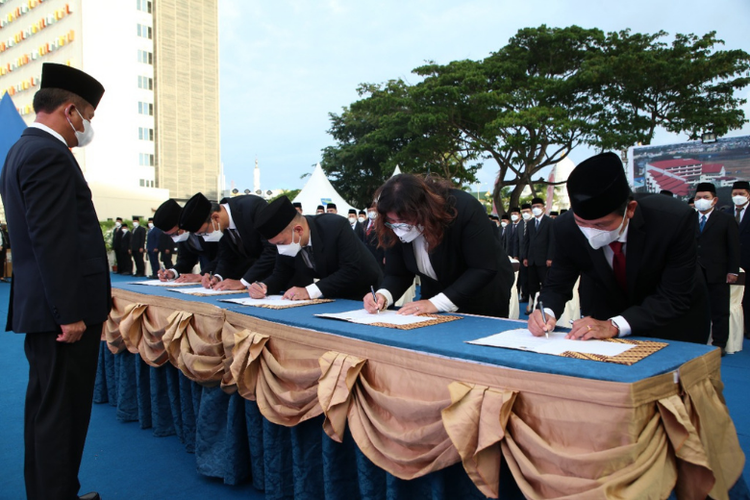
(375, 298)
(544, 318)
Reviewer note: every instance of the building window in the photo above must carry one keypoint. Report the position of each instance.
(145, 134)
(145, 160)
(145, 57)
(145, 108)
(143, 181)
(144, 82)
(143, 5)
(145, 31)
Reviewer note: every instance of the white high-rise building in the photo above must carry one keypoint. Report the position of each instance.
(157, 126)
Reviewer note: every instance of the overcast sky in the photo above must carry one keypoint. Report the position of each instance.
(286, 64)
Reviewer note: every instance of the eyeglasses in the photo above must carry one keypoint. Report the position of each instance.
(402, 226)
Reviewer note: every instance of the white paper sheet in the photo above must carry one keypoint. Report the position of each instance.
(271, 300)
(159, 283)
(362, 317)
(557, 344)
(199, 290)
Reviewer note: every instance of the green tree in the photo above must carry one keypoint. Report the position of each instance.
(644, 83)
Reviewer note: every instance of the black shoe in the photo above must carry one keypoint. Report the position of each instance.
(91, 496)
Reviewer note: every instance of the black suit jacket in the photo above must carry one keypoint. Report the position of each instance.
(718, 246)
(254, 259)
(512, 239)
(666, 297)
(61, 273)
(137, 240)
(343, 265)
(539, 244)
(744, 237)
(473, 270)
(196, 251)
(372, 244)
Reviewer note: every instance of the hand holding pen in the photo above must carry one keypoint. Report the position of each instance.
(373, 302)
(541, 324)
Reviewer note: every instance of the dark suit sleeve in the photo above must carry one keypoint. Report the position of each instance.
(263, 267)
(551, 236)
(349, 252)
(283, 272)
(562, 276)
(673, 294)
(48, 188)
(733, 248)
(479, 253)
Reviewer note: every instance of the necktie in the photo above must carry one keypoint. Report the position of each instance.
(737, 213)
(537, 224)
(703, 222)
(307, 256)
(618, 265)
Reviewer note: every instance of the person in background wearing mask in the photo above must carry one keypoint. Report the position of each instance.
(359, 231)
(137, 247)
(60, 295)
(538, 248)
(191, 249)
(441, 234)
(153, 240)
(127, 262)
(117, 244)
(511, 236)
(310, 248)
(504, 230)
(740, 197)
(523, 271)
(638, 260)
(371, 237)
(244, 255)
(362, 217)
(718, 257)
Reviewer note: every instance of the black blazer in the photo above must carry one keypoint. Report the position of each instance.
(138, 239)
(718, 246)
(473, 270)
(539, 244)
(744, 237)
(666, 297)
(60, 271)
(254, 259)
(512, 239)
(196, 251)
(372, 244)
(344, 267)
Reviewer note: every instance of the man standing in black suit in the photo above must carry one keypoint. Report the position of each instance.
(538, 248)
(117, 244)
(61, 292)
(153, 247)
(740, 198)
(359, 231)
(137, 246)
(637, 259)
(321, 247)
(718, 257)
(244, 255)
(127, 262)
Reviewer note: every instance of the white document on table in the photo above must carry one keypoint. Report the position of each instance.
(271, 300)
(557, 344)
(199, 290)
(159, 283)
(362, 317)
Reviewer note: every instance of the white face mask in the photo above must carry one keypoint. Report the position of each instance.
(598, 238)
(352, 220)
(739, 200)
(536, 211)
(85, 137)
(526, 216)
(136, 223)
(150, 225)
(361, 218)
(213, 236)
(372, 215)
(124, 230)
(514, 217)
(702, 204)
(503, 223)
(292, 249)
(180, 237)
(408, 235)
(118, 224)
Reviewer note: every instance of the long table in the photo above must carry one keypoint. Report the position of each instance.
(315, 408)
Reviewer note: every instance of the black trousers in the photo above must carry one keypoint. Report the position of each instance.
(537, 275)
(57, 412)
(718, 305)
(140, 263)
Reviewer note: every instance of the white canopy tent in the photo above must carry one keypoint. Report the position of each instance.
(319, 191)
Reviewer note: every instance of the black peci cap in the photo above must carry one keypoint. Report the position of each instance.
(275, 217)
(167, 216)
(195, 213)
(598, 186)
(61, 76)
